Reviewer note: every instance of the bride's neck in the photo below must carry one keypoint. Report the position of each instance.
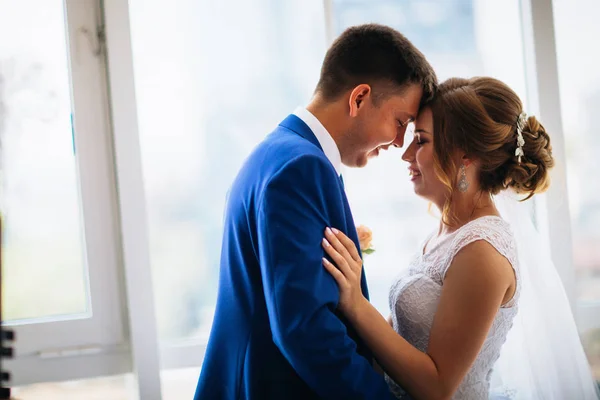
(466, 207)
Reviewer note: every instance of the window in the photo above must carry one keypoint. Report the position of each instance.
(40, 182)
(579, 78)
(57, 198)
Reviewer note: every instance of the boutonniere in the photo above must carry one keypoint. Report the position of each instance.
(365, 238)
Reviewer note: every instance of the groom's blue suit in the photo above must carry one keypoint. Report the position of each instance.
(276, 332)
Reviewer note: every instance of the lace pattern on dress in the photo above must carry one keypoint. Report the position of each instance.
(414, 299)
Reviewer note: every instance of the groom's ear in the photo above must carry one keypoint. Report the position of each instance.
(357, 98)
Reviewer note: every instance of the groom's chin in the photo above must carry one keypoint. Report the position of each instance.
(359, 159)
(373, 154)
(363, 160)
(370, 155)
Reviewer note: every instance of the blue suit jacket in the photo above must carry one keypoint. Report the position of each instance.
(276, 333)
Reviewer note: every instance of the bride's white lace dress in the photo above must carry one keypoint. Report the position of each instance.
(414, 299)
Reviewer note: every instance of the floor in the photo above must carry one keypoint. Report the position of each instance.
(176, 385)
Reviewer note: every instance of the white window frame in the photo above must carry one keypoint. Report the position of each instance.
(93, 344)
(143, 333)
(120, 336)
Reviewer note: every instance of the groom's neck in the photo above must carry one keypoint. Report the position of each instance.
(331, 115)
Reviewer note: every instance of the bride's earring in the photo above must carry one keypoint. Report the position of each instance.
(463, 184)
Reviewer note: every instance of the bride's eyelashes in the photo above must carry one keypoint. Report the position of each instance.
(419, 141)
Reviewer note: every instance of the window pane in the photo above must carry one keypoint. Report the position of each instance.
(462, 38)
(577, 31)
(211, 84)
(44, 269)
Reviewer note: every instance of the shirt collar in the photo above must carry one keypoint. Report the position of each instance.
(325, 140)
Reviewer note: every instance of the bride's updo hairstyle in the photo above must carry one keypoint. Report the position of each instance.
(479, 116)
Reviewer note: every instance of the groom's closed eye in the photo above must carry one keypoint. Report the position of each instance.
(403, 122)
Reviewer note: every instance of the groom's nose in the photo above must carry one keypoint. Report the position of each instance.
(398, 141)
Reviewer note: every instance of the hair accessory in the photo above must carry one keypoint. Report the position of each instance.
(520, 141)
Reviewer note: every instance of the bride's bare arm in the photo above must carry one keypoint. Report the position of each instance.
(474, 288)
(375, 363)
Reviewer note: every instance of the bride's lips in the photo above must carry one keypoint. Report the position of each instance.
(414, 173)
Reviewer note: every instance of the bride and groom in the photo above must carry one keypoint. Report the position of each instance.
(293, 320)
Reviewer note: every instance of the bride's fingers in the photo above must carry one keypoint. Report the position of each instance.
(348, 244)
(337, 275)
(339, 247)
(339, 260)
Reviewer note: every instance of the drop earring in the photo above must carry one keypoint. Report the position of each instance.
(463, 184)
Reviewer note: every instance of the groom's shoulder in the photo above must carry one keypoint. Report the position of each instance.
(282, 156)
(283, 138)
(284, 147)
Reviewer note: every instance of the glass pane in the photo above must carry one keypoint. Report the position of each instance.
(578, 57)
(206, 97)
(460, 38)
(44, 272)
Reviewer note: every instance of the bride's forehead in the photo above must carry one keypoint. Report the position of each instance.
(424, 119)
(425, 114)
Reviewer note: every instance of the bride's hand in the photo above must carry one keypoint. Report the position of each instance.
(347, 274)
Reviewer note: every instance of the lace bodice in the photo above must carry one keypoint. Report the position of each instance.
(415, 295)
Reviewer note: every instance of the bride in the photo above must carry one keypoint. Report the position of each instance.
(481, 312)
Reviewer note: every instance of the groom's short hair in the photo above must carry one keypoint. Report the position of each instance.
(376, 55)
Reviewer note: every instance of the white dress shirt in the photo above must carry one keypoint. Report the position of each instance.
(325, 140)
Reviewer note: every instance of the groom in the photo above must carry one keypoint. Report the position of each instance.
(276, 332)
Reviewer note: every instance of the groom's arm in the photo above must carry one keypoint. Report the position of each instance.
(301, 296)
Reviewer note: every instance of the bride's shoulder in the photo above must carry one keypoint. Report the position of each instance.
(489, 226)
(491, 229)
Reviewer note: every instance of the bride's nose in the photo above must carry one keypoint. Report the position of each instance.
(409, 154)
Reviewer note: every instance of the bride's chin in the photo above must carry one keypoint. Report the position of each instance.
(419, 191)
